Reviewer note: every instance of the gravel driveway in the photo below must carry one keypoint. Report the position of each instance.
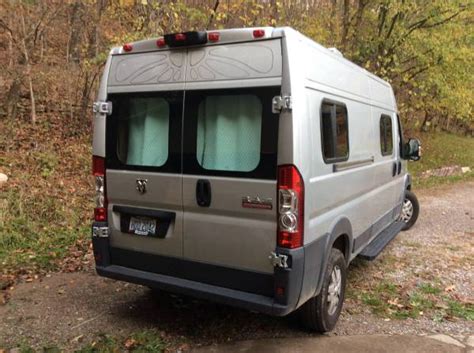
(71, 309)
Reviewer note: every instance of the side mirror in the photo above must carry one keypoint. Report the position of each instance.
(412, 149)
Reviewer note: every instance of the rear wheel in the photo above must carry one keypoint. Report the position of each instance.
(321, 313)
(410, 210)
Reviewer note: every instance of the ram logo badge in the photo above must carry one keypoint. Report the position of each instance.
(141, 185)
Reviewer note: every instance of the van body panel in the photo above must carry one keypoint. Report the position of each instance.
(226, 233)
(160, 67)
(98, 134)
(163, 194)
(234, 61)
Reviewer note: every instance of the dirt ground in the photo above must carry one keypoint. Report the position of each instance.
(72, 309)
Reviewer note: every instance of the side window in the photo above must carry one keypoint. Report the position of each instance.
(400, 136)
(386, 138)
(334, 132)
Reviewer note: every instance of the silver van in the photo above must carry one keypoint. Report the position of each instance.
(248, 167)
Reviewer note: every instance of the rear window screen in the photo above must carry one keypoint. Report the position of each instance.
(229, 132)
(143, 133)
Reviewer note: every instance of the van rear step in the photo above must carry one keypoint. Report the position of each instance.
(376, 246)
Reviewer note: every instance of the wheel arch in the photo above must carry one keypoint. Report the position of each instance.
(408, 182)
(340, 237)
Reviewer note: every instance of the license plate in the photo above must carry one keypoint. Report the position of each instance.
(142, 226)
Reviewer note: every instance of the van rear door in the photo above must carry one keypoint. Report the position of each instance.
(229, 182)
(143, 177)
(230, 146)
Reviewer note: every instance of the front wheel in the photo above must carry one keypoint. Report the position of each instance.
(321, 313)
(410, 210)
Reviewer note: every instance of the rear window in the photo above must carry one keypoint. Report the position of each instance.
(219, 132)
(229, 132)
(143, 133)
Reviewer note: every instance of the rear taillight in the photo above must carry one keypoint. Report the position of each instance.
(290, 207)
(98, 170)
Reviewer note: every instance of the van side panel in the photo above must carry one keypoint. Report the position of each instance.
(348, 193)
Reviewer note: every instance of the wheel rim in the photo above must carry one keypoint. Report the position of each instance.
(407, 211)
(334, 290)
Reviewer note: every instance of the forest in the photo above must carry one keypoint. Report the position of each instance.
(52, 52)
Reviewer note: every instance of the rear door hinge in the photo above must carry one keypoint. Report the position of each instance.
(281, 102)
(278, 260)
(102, 107)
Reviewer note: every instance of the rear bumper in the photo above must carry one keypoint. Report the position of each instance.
(244, 289)
(221, 295)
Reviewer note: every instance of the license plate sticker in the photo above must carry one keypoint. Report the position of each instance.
(142, 226)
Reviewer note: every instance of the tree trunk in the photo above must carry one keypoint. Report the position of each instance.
(76, 25)
(13, 97)
(28, 69)
(345, 24)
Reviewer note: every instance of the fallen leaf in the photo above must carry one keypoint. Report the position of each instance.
(77, 339)
(130, 343)
(450, 288)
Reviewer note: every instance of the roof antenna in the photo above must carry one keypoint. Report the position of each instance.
(211, 18)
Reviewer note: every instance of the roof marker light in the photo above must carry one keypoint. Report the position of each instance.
(213, 36)
(181, 37)
(127, 47)
(160, 42)
(258, 33)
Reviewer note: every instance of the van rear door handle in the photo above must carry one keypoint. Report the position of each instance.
(394, 168)
(203, 193)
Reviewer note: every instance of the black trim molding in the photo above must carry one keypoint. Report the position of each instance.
(246, 281)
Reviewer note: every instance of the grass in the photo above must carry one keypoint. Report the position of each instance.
(45, 207)
(391, 301)
(140, 342)
(440, 149)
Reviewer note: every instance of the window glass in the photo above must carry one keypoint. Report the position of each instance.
(334, 132)
(229, 132)
(143, 133)
(386, 138)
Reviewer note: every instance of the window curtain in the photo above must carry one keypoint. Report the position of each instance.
(148, 132)
(229, 133)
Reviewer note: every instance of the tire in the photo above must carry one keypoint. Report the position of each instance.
(317, 314)
(410, 210)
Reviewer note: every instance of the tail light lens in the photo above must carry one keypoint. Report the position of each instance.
(160, 42)
(213, 36)
(127, 47)
(98, 170)
(290, 207)
(180, 37)
(258, 33)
